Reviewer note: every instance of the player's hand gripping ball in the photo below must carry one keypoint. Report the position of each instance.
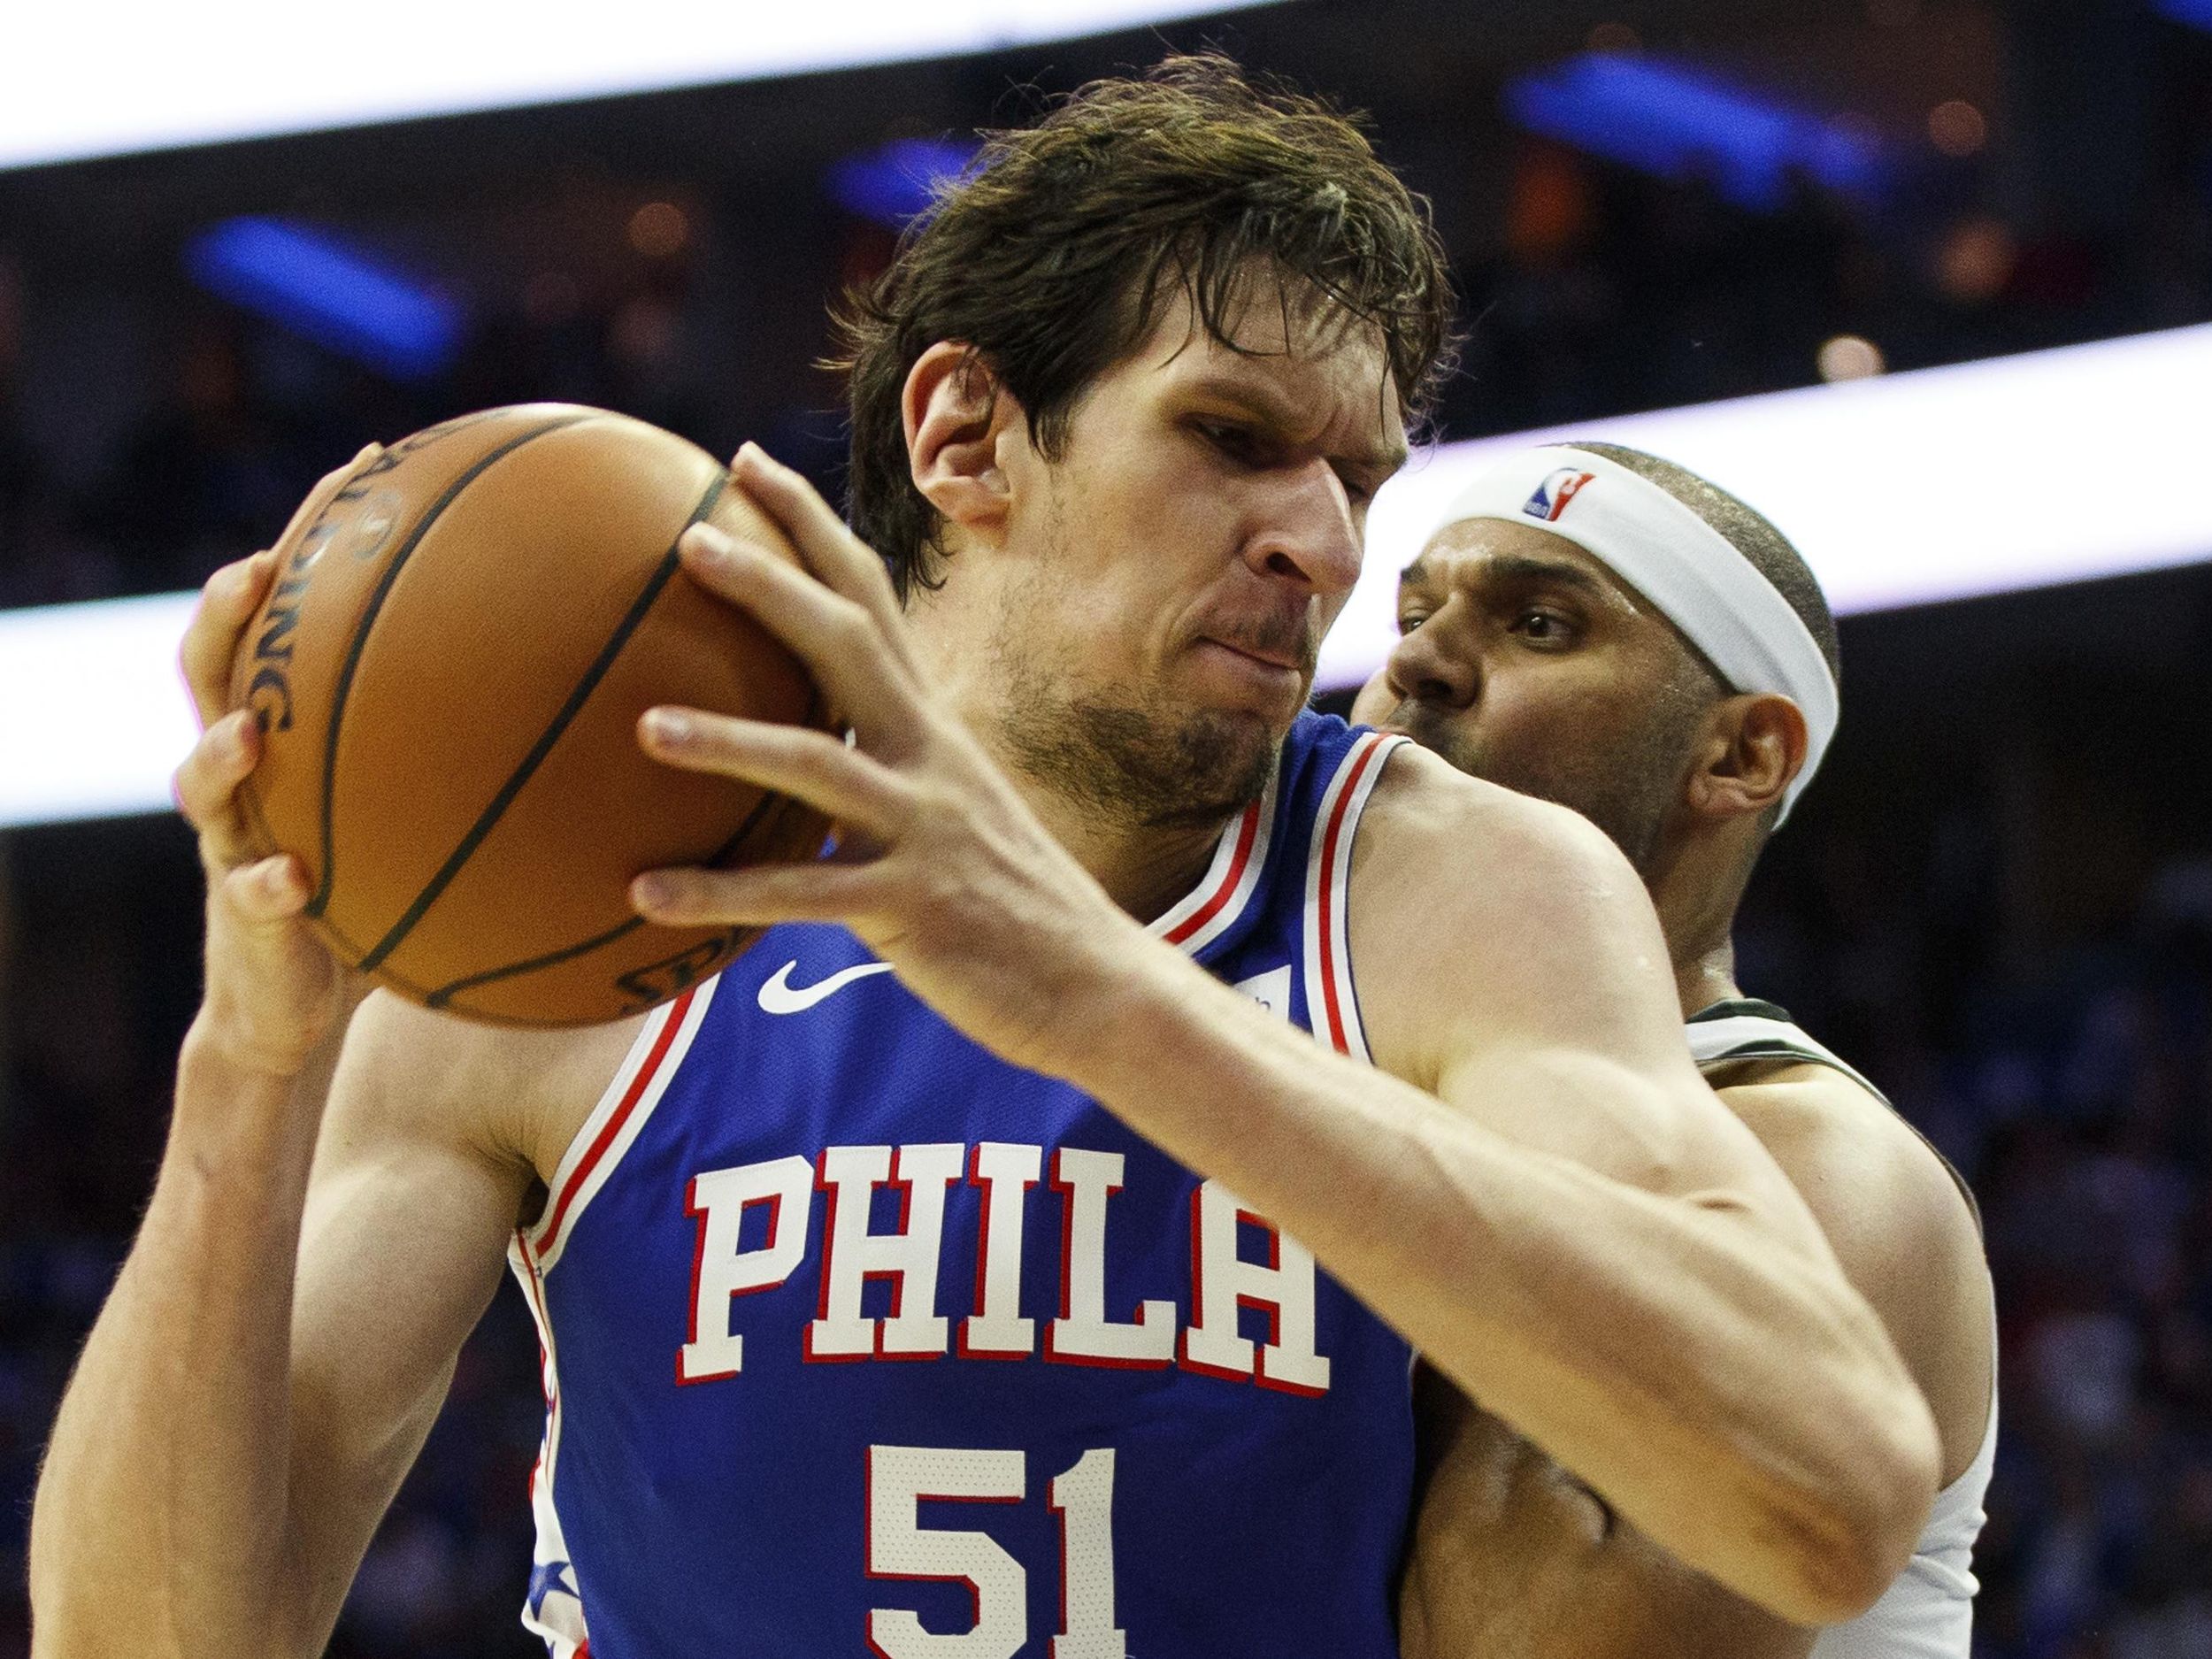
(449, 673)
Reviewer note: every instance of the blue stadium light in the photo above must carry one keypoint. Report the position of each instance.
(2196, 13)
(891, 185)
(329, 293)
(1679, 123)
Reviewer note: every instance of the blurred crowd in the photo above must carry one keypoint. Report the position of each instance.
(2065, 1070)
(2075, 1093)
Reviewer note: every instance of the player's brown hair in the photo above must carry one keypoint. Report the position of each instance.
(1051, 257)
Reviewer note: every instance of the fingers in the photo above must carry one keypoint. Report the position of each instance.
(227, 604)
(760, 896)
(206, 787)
(793, 760)
(833, 553)
(858, 659)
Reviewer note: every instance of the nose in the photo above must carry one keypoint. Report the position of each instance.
(1314, 536)
(1423, 668)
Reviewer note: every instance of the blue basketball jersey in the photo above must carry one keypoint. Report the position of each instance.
(859, 1340)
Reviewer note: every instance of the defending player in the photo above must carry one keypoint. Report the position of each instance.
(893, 1312)
(1602, 628)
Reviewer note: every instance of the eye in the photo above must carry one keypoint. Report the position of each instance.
(1239, 443)
(1410, 620)
(1357, 490)
(1543, 626)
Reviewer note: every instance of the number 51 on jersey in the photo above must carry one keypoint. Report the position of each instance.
(899, 1547)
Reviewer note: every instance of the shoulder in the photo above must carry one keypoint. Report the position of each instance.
(1471, 903)
(1477, 848)
(1421, 798)
(1901, 1226)
(510, 1095)
(1881, 1192)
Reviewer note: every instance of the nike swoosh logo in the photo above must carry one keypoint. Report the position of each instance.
(779, 995)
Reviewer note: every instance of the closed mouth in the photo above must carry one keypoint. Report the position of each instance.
(1287, 661)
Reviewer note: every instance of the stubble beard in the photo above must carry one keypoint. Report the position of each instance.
(1128, 763)
(1126, 760)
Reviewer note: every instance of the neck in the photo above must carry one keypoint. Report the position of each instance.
(1695, 886)
(1143, 870)
(1702, 981)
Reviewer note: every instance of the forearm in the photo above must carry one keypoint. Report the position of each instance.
(1726, 1391)
(160, 1525)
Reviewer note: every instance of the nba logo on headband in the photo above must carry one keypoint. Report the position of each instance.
(1553, 495)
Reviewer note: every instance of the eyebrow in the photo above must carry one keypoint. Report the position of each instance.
(1262, 402)
(1519, 567)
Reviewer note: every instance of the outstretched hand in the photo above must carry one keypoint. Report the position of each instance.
(943, 869)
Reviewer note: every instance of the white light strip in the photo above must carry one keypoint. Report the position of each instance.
(93, 711)
(2012, 474)
(101, 77)
(2053, 466)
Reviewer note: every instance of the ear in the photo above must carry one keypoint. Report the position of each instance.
(956, 412)
(1753, 745)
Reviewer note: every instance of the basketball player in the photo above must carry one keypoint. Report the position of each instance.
(1602, 628)
(941, 1279)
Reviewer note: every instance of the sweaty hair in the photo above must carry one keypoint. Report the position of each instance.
(1051, 258)
(1767, 549)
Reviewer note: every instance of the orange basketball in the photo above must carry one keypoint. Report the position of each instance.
(449, 672)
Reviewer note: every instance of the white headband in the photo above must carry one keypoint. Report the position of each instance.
(1687, 570)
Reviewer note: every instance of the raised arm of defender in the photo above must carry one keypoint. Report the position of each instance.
(1554, 1207)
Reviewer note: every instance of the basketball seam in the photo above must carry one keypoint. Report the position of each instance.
(445, 993)
(768, 802)
(574, 703)
(321, 900)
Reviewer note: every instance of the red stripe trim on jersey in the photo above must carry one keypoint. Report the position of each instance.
(1345, 796)
(639, 1084)
(533, 1288)
(1247, 832)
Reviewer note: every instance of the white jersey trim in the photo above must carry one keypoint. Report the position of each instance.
(1744, 1036)
(614, 1124)
(1331, 1001)
(554, 1609)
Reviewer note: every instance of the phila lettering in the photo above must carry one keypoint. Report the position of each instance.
(1019, 1186)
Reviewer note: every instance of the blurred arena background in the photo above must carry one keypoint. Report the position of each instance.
(1998, 899)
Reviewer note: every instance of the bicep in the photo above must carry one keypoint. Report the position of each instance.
(400, 1249)
(1900, 1224)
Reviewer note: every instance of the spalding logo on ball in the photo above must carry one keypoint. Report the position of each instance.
(449, 672)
